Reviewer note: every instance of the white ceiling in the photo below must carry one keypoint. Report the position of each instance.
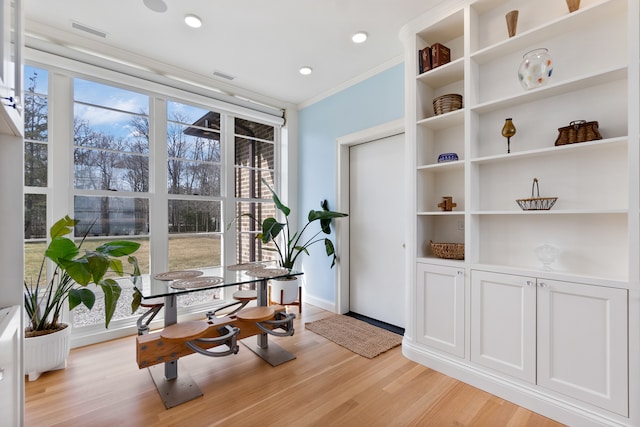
(262, 43)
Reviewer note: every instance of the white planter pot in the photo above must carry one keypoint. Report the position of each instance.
(284, 291)
(46, 353)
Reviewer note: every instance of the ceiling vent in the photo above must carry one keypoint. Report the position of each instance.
(89, 30)
(223, 75)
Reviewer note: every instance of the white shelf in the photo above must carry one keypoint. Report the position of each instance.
(443, 121)
(443, 75)
(440, 213)
(554, 28)
(590, 145)
(442, 261)
(554, 212)
(458, 164)
(553, 89)
(551, 274)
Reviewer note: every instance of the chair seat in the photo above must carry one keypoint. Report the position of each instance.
(152, 302)
(245, 295)
(256, 314)
(185, 331)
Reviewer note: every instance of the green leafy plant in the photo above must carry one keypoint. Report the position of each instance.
(74, 270)
(290, 244)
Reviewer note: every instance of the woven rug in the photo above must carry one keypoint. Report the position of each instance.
(353, 334)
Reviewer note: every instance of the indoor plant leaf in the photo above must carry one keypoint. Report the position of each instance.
(112, 292)
(61, 248)
(270, 229)
(118, 248)
(81, 296)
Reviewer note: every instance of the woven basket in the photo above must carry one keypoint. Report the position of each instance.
(578, 131)
(536, 203)
(447, 250)
(447, 103)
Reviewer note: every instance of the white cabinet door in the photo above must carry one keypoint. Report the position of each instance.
(582, 342)
(503, 323)
(440, 308)
(11, 374)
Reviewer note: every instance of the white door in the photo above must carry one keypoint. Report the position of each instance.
(376, 230)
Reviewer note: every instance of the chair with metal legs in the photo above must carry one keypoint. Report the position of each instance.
(154, 305)
(241, 297)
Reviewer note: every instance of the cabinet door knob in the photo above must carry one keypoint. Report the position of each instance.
(543, 285)
(530, 283)
(460, 272)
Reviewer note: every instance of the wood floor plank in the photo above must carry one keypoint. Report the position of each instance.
(326, 385)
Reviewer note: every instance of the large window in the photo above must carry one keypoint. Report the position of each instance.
(118, 152)
(254, 165)
(36, 130)
(194, 172)
(36, 160)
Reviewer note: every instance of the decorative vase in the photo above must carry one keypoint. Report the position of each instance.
(284, 290)
(512, 22)
(508, 130)
(535, 69)
(573, 5)
(46, 352)
(547, 254)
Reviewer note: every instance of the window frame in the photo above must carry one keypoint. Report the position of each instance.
(62, 71)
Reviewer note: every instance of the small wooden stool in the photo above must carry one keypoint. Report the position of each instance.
(272, 299)
(184, 331)
(256, 314)
(245, 295)
(241, 297)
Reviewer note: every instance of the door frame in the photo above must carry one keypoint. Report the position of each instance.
(343, 144)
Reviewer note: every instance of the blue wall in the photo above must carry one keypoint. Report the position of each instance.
(372, 102)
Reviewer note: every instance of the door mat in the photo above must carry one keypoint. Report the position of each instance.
(353, 334)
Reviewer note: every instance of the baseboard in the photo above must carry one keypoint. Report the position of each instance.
(319, 302)
(527, 396)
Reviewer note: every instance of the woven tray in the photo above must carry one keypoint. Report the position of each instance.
(447, 250)
(447, 103)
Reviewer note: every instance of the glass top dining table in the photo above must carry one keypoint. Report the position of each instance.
(175, 283)
(172, 284)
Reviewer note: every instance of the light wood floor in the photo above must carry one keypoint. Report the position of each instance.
(326, 385)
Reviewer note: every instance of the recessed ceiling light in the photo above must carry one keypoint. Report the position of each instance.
(156, 5)
(359, 37)
(306, 70)
(193, 21)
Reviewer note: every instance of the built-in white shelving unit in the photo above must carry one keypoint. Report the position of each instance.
(564, 341)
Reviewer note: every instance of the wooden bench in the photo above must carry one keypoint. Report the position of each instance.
(170, 343)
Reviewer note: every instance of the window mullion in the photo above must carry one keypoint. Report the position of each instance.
(158, 201)
(60, 137)
(229, 207)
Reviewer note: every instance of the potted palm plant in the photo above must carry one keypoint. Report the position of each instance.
(290, 244)
(74, 270)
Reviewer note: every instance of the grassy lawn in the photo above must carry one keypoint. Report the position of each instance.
(184, 252)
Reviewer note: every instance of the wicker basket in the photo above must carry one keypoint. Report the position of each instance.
(536, 203)
(578, 131)
(447, 250)
(447, 103)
